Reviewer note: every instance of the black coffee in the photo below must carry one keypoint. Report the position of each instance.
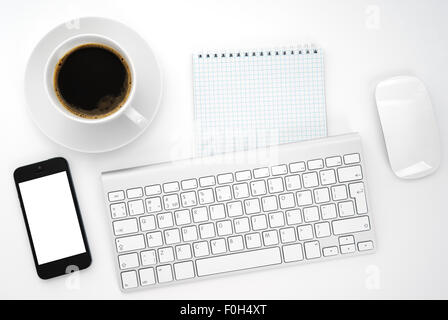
(92, 81)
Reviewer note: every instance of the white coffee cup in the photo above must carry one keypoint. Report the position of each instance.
(126, 109)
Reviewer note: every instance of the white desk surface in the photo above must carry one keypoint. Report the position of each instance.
(364, 41)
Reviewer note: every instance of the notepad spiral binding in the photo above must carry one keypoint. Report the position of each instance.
(300, 50)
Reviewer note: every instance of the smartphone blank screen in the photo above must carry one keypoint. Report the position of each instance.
(52, 218)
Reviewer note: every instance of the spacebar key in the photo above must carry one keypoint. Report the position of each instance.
(238, 261)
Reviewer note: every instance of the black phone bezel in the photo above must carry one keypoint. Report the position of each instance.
(69, 264)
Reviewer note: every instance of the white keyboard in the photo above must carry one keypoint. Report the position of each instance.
(289, 204)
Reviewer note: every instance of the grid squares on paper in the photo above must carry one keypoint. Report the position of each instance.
(257, 98)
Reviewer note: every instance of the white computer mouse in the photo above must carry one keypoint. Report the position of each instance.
(409, 127)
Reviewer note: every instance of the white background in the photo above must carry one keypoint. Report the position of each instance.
(364, 42)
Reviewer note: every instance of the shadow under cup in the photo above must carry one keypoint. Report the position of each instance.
(92, 81)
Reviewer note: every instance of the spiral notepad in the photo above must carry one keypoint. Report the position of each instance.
(256, 98)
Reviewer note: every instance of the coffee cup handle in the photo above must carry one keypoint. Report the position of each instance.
(136, 117)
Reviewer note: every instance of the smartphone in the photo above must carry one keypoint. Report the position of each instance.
(52, 218)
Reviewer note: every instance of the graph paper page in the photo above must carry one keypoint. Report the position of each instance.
(250, 99)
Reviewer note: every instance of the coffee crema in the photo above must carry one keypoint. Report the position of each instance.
(92, 81)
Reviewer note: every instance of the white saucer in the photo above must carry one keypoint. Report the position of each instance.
(93, 137)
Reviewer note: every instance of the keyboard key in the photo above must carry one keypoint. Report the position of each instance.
(287, 235)
(315, 164)
(293, 182)
(148, 257)
(116, 195)
(130, 243)
(123, 227)
(206, 196)
(252, 206)
(270, 238)
(357, 192)
(258, 188)
(333, 161)
(279, 170)
(153, 190)
(287, 201)
(349, 173)
(327, 177)
(201, 249)
(165, 220)
(171, 187)
(184, 270)
(330, 251)
(223, 193)
(312, 250)
(127, 261)
(243, 175)
(129, 279)
(322, 230)
(311, 214)
(297, 167)
(293, 217)
(172, 236)
(136, 207)
(346, 240)
(321, 195)
(241, 225)
(241, 190)
(154, 239)
(328, 211)
(351, 225)
(269, 203)
(346, 209)
(118, 210)
(189, 233)
(236, 243)
(147, 223)
(217, 212)
(238, 261)
(339, 192)
(351, 158)
(305, 232)
(189, 184)
(253, 240)
(182, 217)
(207, 230)
(234, 209)
(200, 214)
(188, 199)
(310, 180)
(225, 178)
(164, 273)
(166, 255)
(171, 202)
(207, 181)
(134, 193)
(275, 185)
(224, 228)
(147, 276)
(259, 222)
(365, 245)
(348, 248)
(304, 198)
(218, 246)
(292, 252)
(183, 252)
(276, 219)
(261, 173)
(153, 205)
